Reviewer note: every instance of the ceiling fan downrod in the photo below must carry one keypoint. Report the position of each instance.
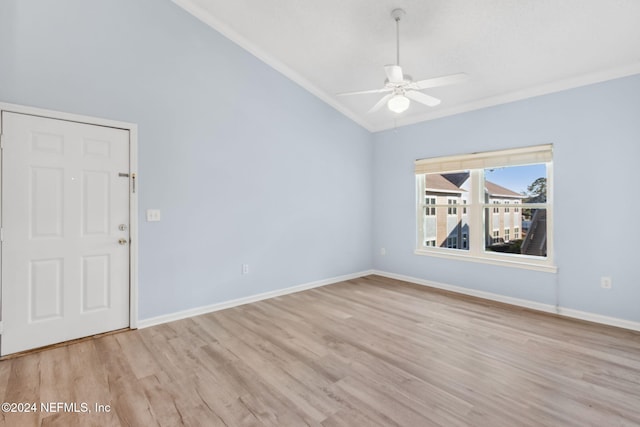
(396, 14)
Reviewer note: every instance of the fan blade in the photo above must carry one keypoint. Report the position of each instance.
(394, 73)
(360, 92)
(422, 98)
(440, 81)
(380, 103)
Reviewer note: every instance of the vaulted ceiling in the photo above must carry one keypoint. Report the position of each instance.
(509, 49)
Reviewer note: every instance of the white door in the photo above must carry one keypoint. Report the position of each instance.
(65, 221)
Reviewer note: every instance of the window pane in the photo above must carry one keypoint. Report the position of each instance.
(446, 221)
(508, 221)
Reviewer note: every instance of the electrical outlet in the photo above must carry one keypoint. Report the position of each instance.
(245, 268)
(605, 282)
(383, 251)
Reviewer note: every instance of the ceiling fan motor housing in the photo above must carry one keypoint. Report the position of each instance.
(397, 14)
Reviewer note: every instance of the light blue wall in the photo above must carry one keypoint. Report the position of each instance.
(596, 135)
(246, 166)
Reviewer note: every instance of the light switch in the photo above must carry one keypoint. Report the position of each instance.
(153, 215)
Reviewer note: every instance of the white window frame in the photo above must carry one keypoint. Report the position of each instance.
(476, 207)
(516, 233)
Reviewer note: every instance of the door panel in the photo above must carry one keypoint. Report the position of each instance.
(45, 289)
(95, 206)
(96, 286)
(46, 190)
(64, 273)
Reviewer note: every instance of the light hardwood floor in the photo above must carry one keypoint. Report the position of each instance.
(367, 352)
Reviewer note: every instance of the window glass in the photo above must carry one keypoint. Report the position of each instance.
(526, 187)
(444, 222)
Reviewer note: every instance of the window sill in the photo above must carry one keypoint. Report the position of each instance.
(528, 264)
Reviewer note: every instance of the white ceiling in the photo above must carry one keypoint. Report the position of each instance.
(510, 49)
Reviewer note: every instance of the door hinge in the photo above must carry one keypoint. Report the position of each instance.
(1, 327)
(1, 234)
(1, 140)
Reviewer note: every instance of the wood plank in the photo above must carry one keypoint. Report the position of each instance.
(370, 351)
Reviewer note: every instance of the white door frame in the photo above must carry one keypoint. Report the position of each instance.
(133, 195)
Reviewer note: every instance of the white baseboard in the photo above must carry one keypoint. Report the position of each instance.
(145, 323)
(599, 318)
(548, 308)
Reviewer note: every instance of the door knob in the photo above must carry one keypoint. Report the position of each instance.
(122, 227)
(122, 241)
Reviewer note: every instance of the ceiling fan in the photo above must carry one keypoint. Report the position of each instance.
(402, 88)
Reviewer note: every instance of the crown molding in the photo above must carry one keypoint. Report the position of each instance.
(530, 92)
(192, 7)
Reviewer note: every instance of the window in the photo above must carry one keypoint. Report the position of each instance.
(518, 181)
(430, 203)
(452, 210)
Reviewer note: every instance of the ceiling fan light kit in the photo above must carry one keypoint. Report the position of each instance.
(398, 103)
(403, 89)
